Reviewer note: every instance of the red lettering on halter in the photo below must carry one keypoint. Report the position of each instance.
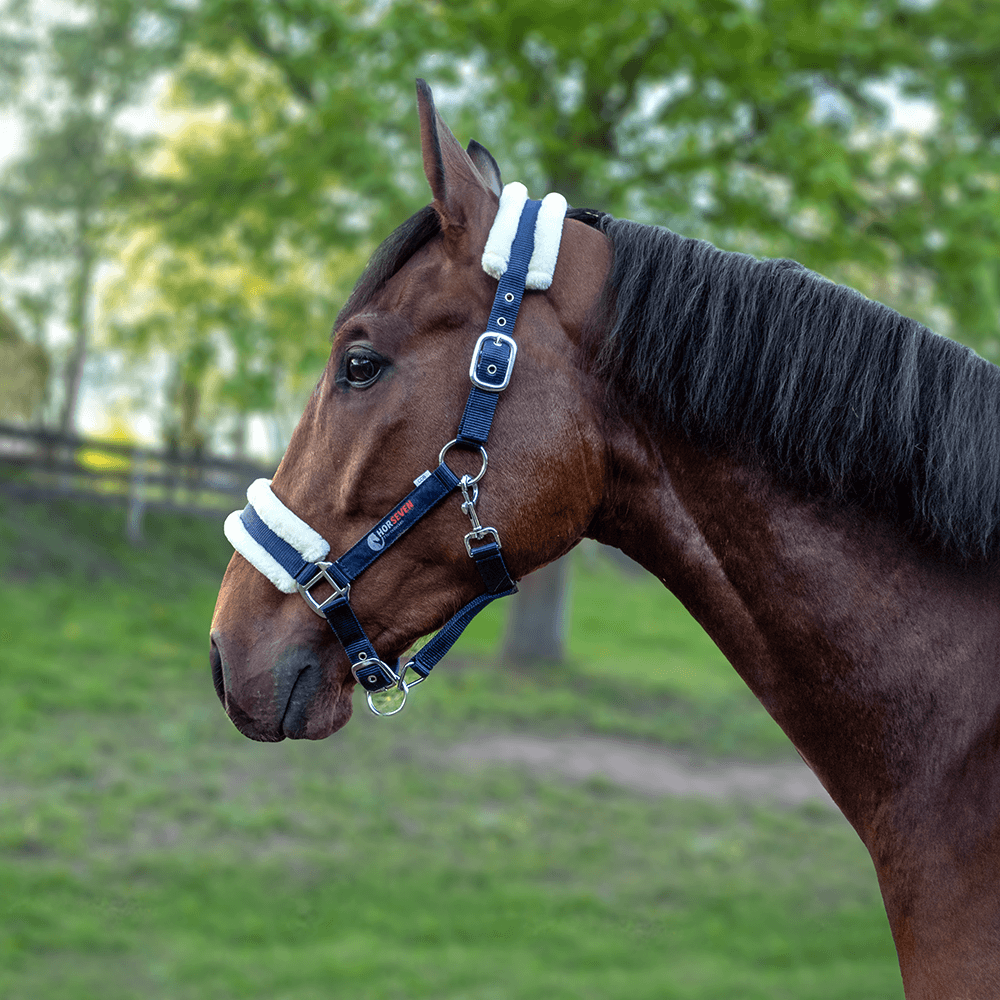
(393, 519)
(402, 512)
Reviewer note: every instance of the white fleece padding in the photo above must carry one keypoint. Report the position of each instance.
(496, 256)
(308, 543)
(548, 236)
(256, 554)
(311, 545)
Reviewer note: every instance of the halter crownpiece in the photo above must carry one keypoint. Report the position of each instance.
(521, 251)
(548, 235)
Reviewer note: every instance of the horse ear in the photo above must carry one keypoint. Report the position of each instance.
(458, 187)
(486, 165)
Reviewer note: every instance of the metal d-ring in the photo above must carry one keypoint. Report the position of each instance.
(389, 707)
(482, 451)
(388, 699)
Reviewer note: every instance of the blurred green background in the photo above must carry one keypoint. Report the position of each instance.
(188, 189)
(147, 850)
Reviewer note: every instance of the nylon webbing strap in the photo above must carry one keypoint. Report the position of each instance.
(418, 502)
(492, 568)
(289, 557)
(498, 583)
(481, 404)
(370, 671)
(424, 661)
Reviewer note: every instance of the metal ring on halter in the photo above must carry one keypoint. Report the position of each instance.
(419, 679)
(390, 707)
(482, 451)
(388, 699)
(321, 574)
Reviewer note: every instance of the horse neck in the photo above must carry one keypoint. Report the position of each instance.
(863, 647)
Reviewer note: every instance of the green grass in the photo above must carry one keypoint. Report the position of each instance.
(149, 851)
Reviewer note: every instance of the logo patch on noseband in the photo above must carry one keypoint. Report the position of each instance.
(376, 540)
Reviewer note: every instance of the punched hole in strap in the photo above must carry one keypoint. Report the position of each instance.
(493, 362)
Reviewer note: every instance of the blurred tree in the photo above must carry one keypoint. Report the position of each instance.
(24, 371)
(761, 126)
(68, 81)
(765, 127)
(224, 283)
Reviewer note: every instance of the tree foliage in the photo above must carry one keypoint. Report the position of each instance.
(68, 82)
(24, 370)
(763, 125)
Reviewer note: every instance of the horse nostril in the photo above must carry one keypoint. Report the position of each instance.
(304, 688)
(215, 657)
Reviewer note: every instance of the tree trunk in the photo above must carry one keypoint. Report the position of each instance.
(79, 324)
(536, 628)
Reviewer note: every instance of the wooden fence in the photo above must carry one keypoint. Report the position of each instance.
(39, 464)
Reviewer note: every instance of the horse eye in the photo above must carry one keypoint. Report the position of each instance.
(362, 368)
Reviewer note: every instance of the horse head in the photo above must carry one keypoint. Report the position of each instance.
(389, 399)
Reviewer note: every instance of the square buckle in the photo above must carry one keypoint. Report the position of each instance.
(496, 375)
(321, 574)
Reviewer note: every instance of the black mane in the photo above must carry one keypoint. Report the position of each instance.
(840, 396)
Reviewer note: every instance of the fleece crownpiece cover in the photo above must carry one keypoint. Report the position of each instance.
(548, 236)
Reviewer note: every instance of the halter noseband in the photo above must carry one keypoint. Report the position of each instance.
(521, 252)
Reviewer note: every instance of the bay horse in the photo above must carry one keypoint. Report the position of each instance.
(816, 478)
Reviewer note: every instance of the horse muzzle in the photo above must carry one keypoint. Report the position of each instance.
(295, 692)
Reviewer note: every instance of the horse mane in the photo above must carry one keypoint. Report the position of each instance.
(839, 396)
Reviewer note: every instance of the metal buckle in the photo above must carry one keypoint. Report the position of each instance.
(321, 574)
(371, 670)
(497, 338)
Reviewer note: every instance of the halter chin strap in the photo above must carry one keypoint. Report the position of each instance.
(521, 252)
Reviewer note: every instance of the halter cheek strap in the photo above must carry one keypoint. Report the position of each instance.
(521, 252)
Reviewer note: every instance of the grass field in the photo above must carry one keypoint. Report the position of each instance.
(149, 851)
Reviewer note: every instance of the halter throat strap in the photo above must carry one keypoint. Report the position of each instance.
(521, 252)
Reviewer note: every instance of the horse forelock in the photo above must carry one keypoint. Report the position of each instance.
(840, 396)
(401, 244)
(390, 256)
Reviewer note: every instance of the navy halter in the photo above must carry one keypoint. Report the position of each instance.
(490, 371)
